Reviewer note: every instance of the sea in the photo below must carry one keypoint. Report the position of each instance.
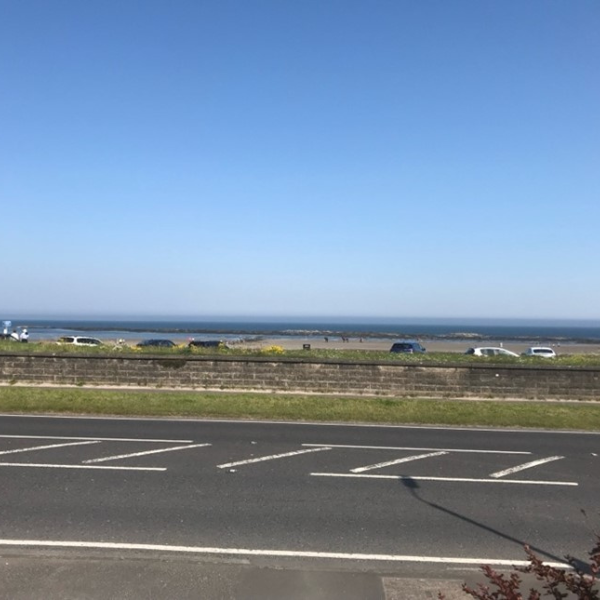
(254, 329)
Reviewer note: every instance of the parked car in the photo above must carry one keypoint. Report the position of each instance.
(156, 343)
(79, 340)
(205, 344)
(490, 351)
(541, 351)
(407, 347)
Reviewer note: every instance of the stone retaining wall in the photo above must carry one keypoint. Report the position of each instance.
(306, 375)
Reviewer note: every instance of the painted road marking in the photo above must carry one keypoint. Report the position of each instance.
(397, 461)
(120, 456)
(455, 479)
(275, 553)
(98, 439)
(528, 465)
(48, 466)
(271, 457)
(32, 448)
(416, 449)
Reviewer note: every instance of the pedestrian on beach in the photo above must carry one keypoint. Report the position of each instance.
(24, 336)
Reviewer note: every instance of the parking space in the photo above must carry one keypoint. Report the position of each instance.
(458, 465)
(84, 453)
(444, 464)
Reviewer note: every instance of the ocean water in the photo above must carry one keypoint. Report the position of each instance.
(243, 328)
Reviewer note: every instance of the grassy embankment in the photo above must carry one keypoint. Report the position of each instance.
(584, 416)
(161, 403)
(574, 360)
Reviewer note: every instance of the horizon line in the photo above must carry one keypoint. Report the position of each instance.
(101, 316)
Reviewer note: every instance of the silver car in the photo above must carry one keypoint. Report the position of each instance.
(541, 351)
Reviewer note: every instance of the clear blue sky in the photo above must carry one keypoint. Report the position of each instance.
(320, 157)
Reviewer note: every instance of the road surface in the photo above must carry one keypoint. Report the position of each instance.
(228, 501)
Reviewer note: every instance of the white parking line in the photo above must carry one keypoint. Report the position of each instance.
(99, 439)
(32, 448)
(529, 465)
(456, 479)
(397, 461)
(120, 456)
(272, 457)
(276, 553)
(417, 449)
(48, 466)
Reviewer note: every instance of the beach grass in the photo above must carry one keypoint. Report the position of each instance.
(159, 403)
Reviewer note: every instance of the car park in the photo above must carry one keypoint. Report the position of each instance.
(490, 351)
(79, 340)
(407, 347)
(541, 351)
(156, 344)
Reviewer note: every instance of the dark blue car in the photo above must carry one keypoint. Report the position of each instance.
(157, 343)
(408, 347)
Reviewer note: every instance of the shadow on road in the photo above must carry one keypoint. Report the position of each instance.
(413, 487)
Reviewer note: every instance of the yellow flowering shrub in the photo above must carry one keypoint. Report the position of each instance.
(272, 350)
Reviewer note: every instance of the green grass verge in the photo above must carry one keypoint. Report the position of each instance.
(300, 408)
(573, 360)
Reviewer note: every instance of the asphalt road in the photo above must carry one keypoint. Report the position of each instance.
(324, 500)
